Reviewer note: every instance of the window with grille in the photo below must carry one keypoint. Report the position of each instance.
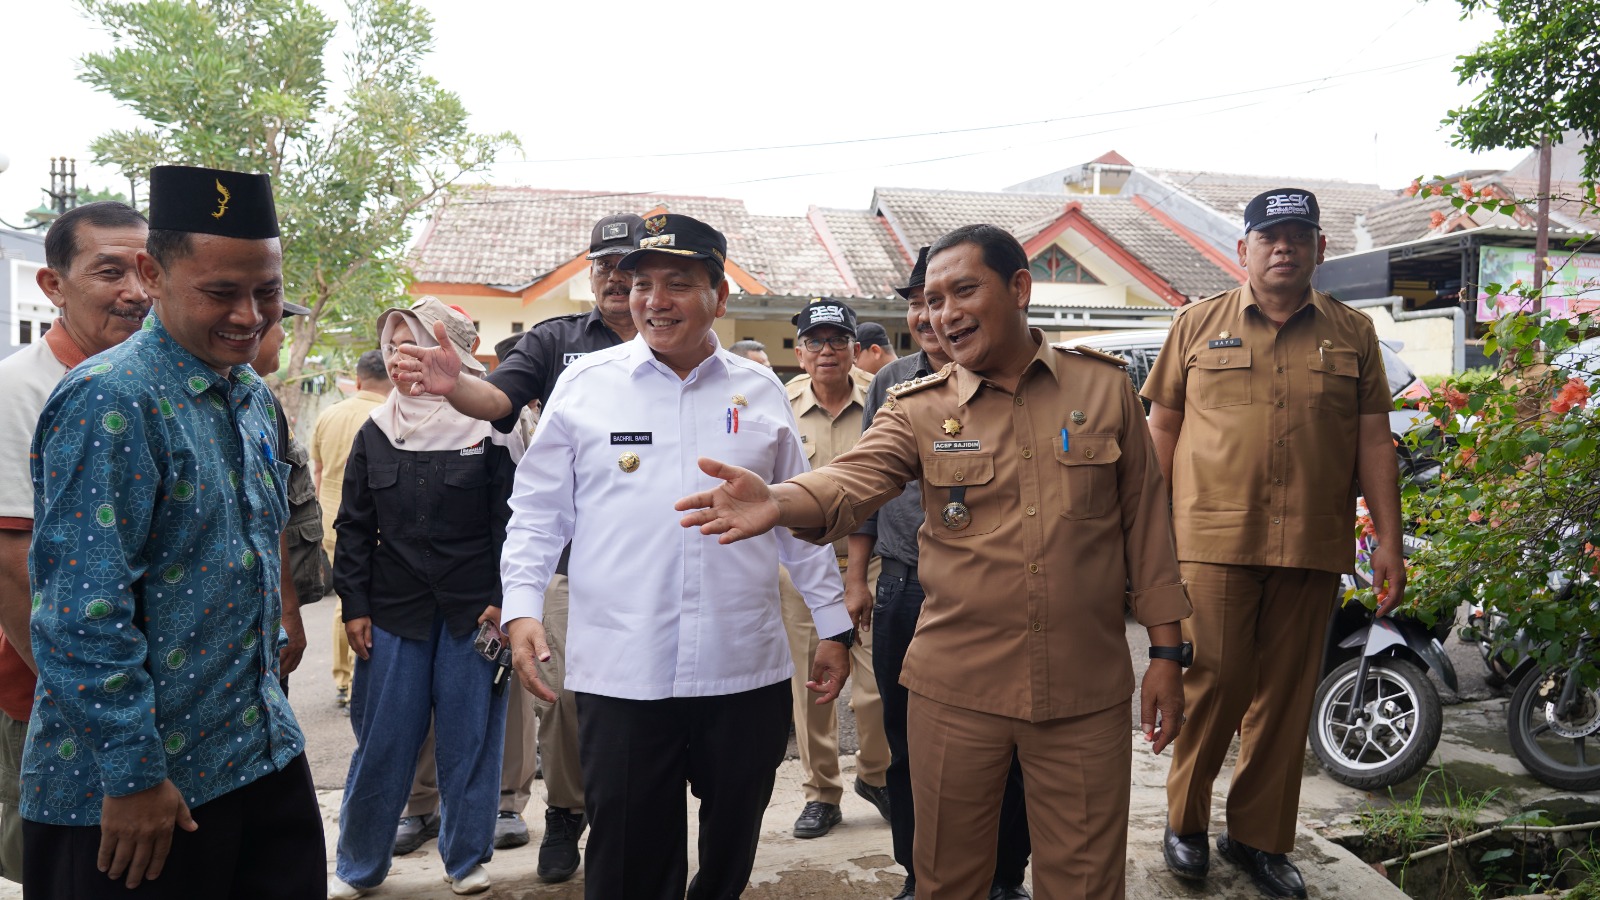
(1056, 265)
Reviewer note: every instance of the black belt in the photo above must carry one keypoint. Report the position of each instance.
(894, 568)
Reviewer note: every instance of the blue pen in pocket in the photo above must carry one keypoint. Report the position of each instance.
(266, 447)
(1064, 441)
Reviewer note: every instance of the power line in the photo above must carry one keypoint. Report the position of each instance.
(1321, 80)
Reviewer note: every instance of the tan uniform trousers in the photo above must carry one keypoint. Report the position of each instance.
(1257, 633)
(554, 725)
(816, 728)
(1076, 774)
(344, 659)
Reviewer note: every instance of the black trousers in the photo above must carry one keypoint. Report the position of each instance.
(263, 840)
(636, 757)
(894, 621)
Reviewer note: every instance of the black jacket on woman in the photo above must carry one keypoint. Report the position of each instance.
(419, 534)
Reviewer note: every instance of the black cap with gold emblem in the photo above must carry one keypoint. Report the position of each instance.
(680, 236)
(212, 201)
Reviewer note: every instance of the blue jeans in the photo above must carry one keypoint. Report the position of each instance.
(894, 621)
(392, 698)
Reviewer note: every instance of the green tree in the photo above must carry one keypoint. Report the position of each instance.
(1541, 78)
(88, 194)
(1514, 520)
(240, 84)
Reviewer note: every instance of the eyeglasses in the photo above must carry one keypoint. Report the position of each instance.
(389, 349)
(837, 342)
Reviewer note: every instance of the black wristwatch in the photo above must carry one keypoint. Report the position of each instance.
(847, 638)
(1183, 654)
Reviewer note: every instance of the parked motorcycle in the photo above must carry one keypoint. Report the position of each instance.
(1376, 717)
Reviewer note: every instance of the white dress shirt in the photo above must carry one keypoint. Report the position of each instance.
(659, 610)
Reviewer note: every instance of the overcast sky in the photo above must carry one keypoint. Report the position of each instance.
(689, 98)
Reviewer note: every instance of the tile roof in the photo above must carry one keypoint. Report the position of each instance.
(1341, 201)
(796, 261)
(1408, 219)
(515, 235)
(867, 248)
(923, 215)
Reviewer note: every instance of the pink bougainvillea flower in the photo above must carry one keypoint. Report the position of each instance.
(1435, 219)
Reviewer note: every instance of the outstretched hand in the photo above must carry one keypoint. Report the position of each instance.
(741, 507)
(420, 370)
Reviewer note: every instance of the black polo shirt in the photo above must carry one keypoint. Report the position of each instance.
(530, 370)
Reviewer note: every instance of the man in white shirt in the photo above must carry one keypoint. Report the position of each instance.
(676, 648)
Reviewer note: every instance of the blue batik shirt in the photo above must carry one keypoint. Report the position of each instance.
(159, 499)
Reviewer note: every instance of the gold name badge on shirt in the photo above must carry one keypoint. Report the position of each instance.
(739, 400)
(952, 426)
(1078, 417)
(628, 462)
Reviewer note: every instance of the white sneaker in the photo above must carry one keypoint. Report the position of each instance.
(338, 890)
(474, 882)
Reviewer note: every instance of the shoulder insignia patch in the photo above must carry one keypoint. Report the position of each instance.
(917, 384)
(1096, 354)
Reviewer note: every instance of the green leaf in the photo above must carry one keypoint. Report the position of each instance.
(1493, 855)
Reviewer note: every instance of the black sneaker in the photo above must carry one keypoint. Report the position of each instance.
(817, 819)
(877, 796)
(414, 831)
(558, 852)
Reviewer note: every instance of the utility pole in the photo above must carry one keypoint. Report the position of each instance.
(1541, 245)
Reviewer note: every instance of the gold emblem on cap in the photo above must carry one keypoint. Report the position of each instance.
(1078, 417)
(738, 400)
(1225, 335)
(655, 224)
(628, 462)
(952, 426)
(222, 204)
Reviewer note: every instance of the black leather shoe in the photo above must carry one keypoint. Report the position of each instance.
(877, 796)
(909, 890)
(998, 891)
(558, 852)
(817, 819)
(1187, 854)
(1271, 872)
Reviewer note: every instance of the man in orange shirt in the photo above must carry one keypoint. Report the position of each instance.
(89, 275)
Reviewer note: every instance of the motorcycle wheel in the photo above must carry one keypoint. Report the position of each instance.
(1391, 739)
(1563, 753)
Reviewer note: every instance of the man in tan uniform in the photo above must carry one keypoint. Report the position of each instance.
(828, 407)
(1268, 403)
(1045, 512)
(331, 439)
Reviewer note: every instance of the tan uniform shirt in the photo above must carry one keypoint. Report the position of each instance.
(825, 437)
(1024, 608)
(331, 440)
(1265, 468)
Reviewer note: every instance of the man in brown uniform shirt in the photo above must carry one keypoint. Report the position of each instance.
(1268, 402)
(827, 409)
(1045, 511)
